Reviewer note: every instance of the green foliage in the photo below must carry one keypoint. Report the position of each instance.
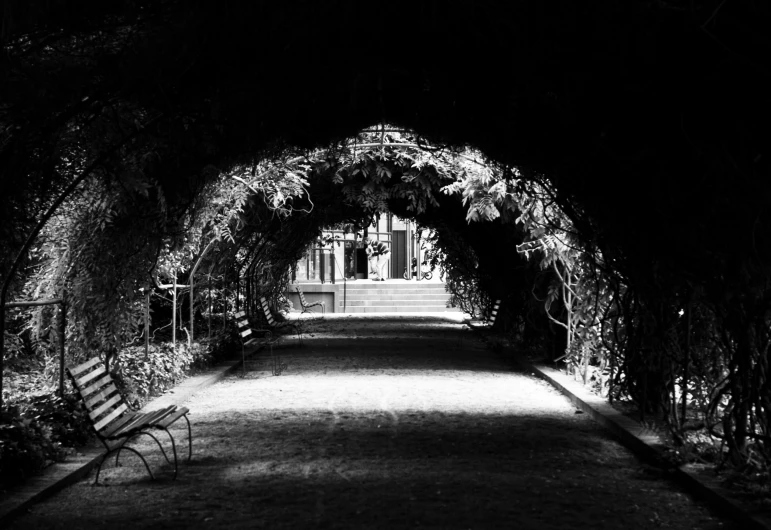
(25, 448)
(140, 377)
(459, 264)
(65, 417)
(37, 431)
(14, 347)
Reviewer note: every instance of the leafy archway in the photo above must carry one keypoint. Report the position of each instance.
(645, 124)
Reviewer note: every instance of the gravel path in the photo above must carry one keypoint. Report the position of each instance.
(389, 422)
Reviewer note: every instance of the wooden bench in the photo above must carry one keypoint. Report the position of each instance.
(115, 422)
(273, 325)
(306, 306)
(489, 322)
(494, 313)
(246, 332)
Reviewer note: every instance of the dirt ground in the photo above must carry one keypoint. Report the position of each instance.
(383, 422)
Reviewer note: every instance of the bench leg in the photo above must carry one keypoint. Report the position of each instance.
(299, 332)
(174, 450)
(277, 367)
(189, 439)
(275, 361)
(120, 448)
(123, 446)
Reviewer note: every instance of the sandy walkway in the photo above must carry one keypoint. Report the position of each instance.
(385, 423)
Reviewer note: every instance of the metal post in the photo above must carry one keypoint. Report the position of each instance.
(174, 312)
(322, 270)
(247, 290)
(238, 292)
(686, 361)
(332, 264)
(192, 310)
(2, 345)
(419, 274)
(147, 324)
(62, 336)
(225, 300)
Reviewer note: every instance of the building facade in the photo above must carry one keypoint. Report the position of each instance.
(345, 256)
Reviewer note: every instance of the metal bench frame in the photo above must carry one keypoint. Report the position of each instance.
(273, 325)
(116, 422)
(490, 322)
(306, 306)
(246, 333)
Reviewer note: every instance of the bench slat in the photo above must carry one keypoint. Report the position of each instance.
(157, 418)
(148, 419)
(83, 367)
(165, 422)
(118, 423)
(494, 312)
(95, 386)
(89, 376)
(266, 310)
(158, 415)
(103, 394)
(104, 407)
(111, 416)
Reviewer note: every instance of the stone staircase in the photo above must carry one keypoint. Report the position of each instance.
(395, 296)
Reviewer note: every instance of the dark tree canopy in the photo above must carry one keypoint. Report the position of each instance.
(652, 114)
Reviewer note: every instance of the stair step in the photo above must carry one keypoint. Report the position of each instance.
(391, 296)
(396, 286)
(402, 309)
(386, 290)
(399, 296)
(396, 303)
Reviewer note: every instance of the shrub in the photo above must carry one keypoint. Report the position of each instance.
(139, 376)
(38, 431)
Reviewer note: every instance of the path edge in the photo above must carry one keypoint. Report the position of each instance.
(647, 446)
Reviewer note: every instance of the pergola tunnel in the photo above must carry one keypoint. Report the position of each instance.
(597, 171)
(497, 234)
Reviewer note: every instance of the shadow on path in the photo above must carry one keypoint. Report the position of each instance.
(402, 427)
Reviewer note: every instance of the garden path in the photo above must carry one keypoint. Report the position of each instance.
(384, 422)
